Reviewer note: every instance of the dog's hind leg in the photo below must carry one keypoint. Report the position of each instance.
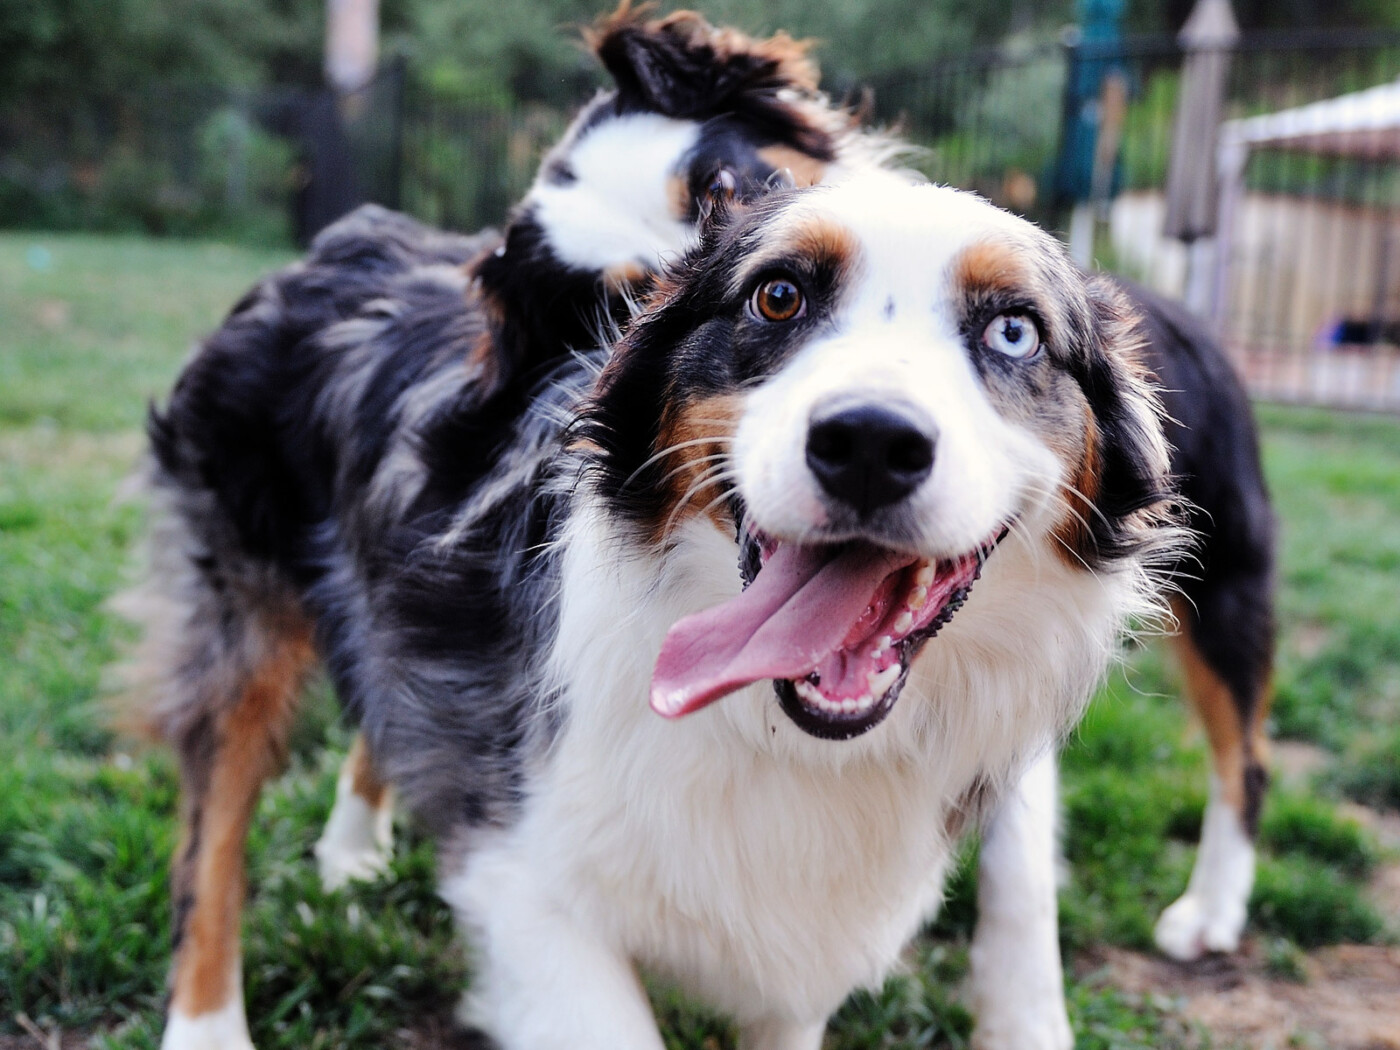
(1226, 649)
(226, 752)
(224, 656)
(358, 841)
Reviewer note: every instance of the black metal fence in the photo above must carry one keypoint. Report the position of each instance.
(1305, 286)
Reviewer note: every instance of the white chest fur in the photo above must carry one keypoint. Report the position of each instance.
(764, 870)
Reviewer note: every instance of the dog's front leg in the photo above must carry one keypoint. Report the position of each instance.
(543, 980)
(1017, 982)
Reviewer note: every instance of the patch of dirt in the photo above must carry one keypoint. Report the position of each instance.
(1294, 761)
(1384, 888)
(1384, 824)
(52, 315)
(1349, 998)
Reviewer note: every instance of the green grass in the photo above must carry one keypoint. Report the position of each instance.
(95, 327)
(1371, 772)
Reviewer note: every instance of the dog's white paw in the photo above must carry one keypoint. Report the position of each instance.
(222, 1029)
(1191, 927)
(1024, 1029)
(1211, 914)
(339, 866)
(357, 844)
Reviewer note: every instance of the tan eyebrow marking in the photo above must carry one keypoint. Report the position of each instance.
(989, 267)
(817, 240)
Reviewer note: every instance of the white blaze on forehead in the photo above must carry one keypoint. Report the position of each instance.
(620, 207)
(906, 234)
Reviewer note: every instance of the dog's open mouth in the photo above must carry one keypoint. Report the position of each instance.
(834, 626)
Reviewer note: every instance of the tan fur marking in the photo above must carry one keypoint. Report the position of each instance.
(1080, 493)
(251, 746)
(810, 238)
(364, 781)
(623, 276)
(806, 170)
(678, 193)
(992, 266)
(818, 239)
(702, 430)
(1232, 745)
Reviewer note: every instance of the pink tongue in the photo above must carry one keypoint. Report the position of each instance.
(800, 609)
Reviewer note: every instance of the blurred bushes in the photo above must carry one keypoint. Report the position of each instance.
(162, 166)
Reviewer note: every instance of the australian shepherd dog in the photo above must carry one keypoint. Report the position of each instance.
(697, 651)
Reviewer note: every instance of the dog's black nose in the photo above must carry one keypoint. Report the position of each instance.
(869, 456)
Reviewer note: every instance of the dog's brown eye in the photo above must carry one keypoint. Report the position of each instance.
(1014, 335)
(778, 300)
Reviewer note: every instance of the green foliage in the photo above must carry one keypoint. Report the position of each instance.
(195, 164)
(1104, 1018)
(1305, 825)
(1284, 959)
(62, 53)
(1311, 903)
(1334, 481)
(913, 1010)
(1126, 834)
(1370, 770)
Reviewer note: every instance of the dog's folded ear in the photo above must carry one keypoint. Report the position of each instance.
(681, 66)
(1135, 487)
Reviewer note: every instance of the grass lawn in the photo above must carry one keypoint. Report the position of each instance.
(94, 327)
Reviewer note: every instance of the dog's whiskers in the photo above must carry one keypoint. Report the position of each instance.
(715, 475)
(670, 449)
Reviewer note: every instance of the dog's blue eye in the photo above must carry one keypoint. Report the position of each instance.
(1014, 335)
(778, 299)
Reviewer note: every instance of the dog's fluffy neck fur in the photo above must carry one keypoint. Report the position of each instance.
(732, 830)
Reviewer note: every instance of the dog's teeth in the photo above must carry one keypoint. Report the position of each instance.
(808, 691)
(885, 642)
(918, 598)
(924, 576)
(903, 623)
(879, 682)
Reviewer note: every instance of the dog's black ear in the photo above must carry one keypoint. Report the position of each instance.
(681, 66)
(1135, 487)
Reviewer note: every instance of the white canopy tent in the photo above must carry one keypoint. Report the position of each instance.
(1362, 124)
